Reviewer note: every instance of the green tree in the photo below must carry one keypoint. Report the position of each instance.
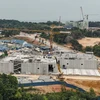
(8, 86)
(77, 34)
(6, 53)
(88, 48)
(1, 98)
(96, 50)
(76, 45)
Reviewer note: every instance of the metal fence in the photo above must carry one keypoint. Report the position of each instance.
(51, 83)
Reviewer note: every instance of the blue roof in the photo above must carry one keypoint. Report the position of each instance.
(3, 48)
(5, 41)
(17, 41)
(28, 45)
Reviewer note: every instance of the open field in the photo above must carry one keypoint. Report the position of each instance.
(89, 41)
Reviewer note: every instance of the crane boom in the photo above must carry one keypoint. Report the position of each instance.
(82, 12)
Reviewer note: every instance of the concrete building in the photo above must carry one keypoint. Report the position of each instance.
(78, 61)
(73, 63)
(6, 67)
(26, 64)
(40, 66)
(79, 24)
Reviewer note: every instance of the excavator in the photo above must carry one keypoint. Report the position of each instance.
(60, 75)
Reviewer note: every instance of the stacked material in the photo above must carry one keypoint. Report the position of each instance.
(43, 78)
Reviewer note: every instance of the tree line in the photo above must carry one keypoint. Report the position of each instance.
(15, 24)
(9, 33)
(95, 49)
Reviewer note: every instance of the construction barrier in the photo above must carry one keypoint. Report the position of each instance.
(51, 83)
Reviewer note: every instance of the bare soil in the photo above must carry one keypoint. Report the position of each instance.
(86, 84)
(89, 41)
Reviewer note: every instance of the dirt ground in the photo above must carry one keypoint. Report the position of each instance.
(50, 88)
(89, 41)
(86, 84)
(30, 40)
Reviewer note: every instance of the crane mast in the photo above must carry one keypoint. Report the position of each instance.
(51, 39)
(59, 20)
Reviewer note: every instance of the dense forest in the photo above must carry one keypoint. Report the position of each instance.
(9, 91)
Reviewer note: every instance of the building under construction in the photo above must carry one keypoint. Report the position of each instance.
(70, 63)
(26, 64)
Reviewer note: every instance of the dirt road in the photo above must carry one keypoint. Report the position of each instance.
(31, 37)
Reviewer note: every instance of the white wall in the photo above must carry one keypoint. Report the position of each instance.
(37, 68)
(6, 67)
(79, 64)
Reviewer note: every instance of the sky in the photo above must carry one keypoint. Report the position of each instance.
(44, 10)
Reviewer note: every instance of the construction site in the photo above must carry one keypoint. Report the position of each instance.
(46, 63)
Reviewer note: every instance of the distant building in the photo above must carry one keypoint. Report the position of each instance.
(57, 27)
(79, 24)
(67, 32)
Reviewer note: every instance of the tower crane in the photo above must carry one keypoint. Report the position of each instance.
(82, 17)
(59, 20)
(82, 13)
(60, 76)
(51, 38)
(86, 19)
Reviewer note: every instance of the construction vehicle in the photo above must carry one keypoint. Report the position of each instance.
(60, 75)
